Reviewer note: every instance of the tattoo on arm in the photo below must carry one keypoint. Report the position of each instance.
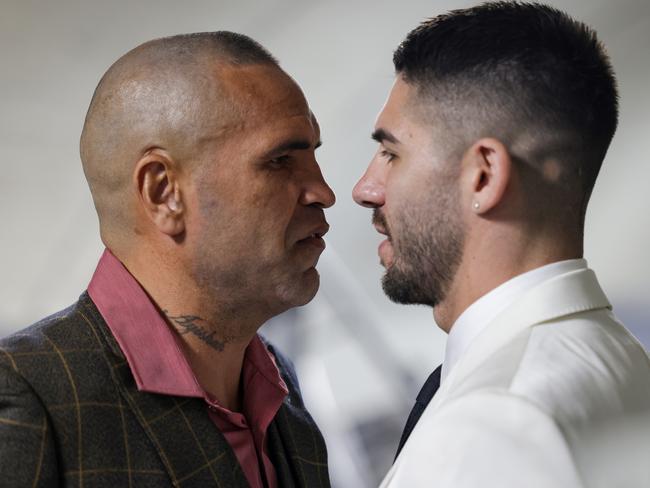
(189, 324)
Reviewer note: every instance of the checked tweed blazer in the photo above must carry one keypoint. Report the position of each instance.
(71, 415)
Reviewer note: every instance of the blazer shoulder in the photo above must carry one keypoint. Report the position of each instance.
(584, 371)
(587, 355)
(67, 328)
(33, 337)
(60, 353)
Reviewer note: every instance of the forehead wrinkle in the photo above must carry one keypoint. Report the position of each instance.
(258, 89)
(221, 130)
(260, 103)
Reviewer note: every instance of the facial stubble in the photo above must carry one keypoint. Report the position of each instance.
(428, 241)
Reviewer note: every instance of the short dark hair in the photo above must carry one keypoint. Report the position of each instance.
(536, 65)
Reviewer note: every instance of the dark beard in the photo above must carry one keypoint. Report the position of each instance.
(427, 255)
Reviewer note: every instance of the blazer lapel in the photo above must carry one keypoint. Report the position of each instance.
(297, 449)
(574, 292)
(194, 452)
(284, 470)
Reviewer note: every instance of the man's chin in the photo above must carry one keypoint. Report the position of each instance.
(404, 290)
(311, 284)
(301, 290)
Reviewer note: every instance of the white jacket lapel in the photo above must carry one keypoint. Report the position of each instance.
(574, 292)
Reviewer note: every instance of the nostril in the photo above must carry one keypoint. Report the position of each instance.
(368, 195)
(368, 203)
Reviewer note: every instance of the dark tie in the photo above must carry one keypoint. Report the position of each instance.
(429, 389)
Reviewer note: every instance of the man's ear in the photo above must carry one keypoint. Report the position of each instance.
(159, 191)
(488, 169)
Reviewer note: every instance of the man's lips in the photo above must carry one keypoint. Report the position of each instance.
(381, 230)
(379, 223)
(386, 252)
(315, 235)
(385, 249)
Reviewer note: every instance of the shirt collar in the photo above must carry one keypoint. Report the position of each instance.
(479, 314)
(150, 346)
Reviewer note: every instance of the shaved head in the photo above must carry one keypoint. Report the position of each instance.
(165, 94)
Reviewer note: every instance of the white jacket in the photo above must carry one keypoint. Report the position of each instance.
(554, 393)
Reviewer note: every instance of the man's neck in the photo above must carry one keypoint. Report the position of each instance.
(217, 371)
(214, 334)
(502, 262)
(214, 343)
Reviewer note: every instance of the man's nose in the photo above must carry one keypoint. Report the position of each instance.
(369, 190)
(317, 191)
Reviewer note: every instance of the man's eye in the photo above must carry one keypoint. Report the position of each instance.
(388, 156)
(279, 162)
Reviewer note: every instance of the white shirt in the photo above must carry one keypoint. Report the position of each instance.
(480, 313)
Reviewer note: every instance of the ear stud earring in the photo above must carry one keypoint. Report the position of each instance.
(476, 205)
(173, 205)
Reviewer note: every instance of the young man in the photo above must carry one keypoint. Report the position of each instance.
(489, 147)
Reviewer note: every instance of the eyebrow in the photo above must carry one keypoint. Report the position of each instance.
(293, 145)
(381, 135)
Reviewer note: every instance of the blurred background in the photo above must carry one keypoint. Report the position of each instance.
(361, 359)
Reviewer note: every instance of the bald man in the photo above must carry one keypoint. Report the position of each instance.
(199, 153)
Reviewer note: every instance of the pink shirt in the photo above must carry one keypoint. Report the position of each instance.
(158, 365)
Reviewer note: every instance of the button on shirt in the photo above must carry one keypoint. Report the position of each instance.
(158, 365)
(479, 314)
